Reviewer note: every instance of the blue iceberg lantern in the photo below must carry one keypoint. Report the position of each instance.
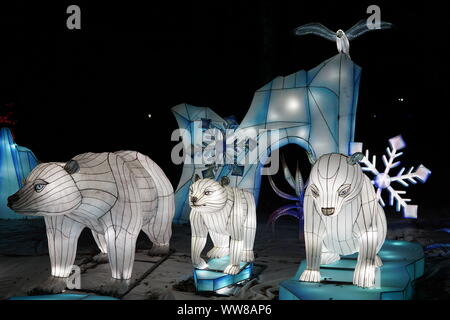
(16, 163)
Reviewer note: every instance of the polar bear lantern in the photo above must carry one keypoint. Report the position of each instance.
(342, 216)
(224, 212)
(116, 195)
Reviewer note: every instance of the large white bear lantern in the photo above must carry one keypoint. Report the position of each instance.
(116, 195)
(342, 216)
(229, 216)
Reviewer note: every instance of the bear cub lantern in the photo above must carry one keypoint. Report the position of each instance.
(342, 216)
(228, 215)
(116, 195)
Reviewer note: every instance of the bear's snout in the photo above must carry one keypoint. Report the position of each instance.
(328, 211)
(12, 199)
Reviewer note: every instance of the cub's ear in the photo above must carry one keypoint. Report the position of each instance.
(224, 181)
(355, 158)
(196, 177)
(72, 167)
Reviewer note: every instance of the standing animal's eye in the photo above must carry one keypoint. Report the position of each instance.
(39, 187)
(207, 193)
(344, 190)
(314, 191)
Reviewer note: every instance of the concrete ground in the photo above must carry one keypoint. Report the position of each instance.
(25, 265)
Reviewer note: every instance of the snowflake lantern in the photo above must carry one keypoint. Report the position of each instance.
(384, 180)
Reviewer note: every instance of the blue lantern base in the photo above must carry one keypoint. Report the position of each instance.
(213, 278)
(403, 262)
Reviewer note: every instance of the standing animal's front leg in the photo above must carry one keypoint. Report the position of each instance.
(365, 271)
(121, 249)
(314, 235)
(198, 240)
(236, 247)
(62, 235)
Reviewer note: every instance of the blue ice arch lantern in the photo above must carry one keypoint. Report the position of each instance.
(16, 162)
(314, 109)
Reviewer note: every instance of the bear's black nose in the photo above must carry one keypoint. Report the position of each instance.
(194, 199)
(11, 199)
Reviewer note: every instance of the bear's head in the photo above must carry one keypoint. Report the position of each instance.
(208, 195)
(49, 190)
(334, 180)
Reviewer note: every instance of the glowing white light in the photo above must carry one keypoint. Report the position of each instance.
(293, 104)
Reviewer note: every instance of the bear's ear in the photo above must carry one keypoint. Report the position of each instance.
(196, 177)
(224, 181)
(355, 158)
(72, 167)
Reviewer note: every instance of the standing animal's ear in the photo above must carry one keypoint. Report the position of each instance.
(196, 177)
(224, 181)
(72, 167)
(355, 158)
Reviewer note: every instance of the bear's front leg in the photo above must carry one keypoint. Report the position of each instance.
(121, 249)
(62, 235)
(236, 247)
(365, 271)
(313, 246)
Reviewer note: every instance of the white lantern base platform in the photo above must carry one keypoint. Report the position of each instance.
(403, 262)
(213, 279)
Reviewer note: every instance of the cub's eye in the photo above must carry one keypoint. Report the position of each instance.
(39, 187)
(314, 191)
(207, 193)
(344, 190)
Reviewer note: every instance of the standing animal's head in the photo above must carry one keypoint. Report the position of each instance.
(334, 180)
(49, 190)
(208, 195)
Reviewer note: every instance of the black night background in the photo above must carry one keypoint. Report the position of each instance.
(92, 90)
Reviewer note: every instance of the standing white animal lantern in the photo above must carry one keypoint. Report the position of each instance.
(223, 212)
(116, 195)
(342, 216)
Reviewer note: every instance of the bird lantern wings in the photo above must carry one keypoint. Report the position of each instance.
(317, 29)
(354, 32)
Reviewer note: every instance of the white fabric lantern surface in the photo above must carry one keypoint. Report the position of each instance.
(342, 216)
(229, 216)
(116, 195)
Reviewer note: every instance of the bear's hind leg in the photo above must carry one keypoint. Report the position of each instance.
(159, 231)
(221, 245)
(328, 257)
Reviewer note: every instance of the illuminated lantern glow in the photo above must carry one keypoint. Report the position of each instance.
(342, 216)
(116, 195)
(228, 215)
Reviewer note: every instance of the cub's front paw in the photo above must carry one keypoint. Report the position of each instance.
(201, 264)
(218, 252)
(159, 250)
(364, 275)
(310, 276)
(232, 269)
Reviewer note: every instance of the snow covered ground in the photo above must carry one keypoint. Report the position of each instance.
(25, 265)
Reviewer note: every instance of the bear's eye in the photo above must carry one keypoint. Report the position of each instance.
(207, 193)
(314, 191)
(39, 187)
(344, 190)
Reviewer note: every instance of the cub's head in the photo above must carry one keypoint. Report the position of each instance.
(208, 195)
(49, 190)
(334, 180)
